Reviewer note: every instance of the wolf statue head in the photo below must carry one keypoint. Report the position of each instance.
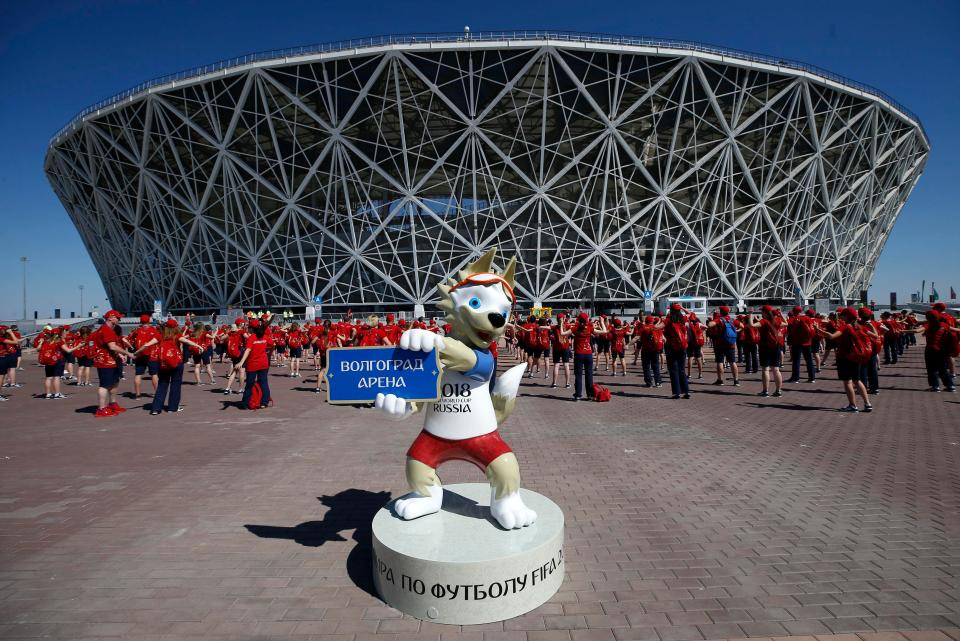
(478, 305)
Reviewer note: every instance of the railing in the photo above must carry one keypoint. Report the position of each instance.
(484, 36)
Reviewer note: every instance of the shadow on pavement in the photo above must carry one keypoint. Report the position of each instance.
(787, 406)
(351, 509)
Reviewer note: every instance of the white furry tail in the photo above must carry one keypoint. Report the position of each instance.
(505, 391)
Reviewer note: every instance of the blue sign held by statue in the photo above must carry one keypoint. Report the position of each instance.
(358, 374)
(318, 299)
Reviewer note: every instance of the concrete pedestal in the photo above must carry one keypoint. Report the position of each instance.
(460, 567)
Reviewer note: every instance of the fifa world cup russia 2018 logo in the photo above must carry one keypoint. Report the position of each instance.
(462, 424)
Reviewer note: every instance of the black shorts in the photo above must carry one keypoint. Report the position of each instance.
(149, 367)
(281, 349)
(562, 355)
(848, 370)
(69, 358)
(535, 352)
(617, 353)
(724, 352)
(603, 347)
(769, 356)
(694, 351)
(316, 349)
(817, 346)
(5, 364)
(235, 359)
(323, 359)
(56, 369)
(221, 349)
(203, 358)
(109, 376)
(85, 361)
(296, 352)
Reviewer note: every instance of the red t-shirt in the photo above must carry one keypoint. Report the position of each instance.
(619, 335)
(581, 339)
(769, 334)
(103, 356)
(258, 359)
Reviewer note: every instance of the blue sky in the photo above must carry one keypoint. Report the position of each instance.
(57, 57)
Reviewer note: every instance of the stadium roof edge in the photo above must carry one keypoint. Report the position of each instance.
(486, 39)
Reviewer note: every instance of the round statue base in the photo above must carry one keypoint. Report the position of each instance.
(459, 566)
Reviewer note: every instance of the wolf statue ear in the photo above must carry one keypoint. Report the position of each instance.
(479, 266)
(509, 271)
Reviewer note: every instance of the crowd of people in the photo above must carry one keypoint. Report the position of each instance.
(165, 351)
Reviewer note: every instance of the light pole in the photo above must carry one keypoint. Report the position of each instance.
(23, 260)
(81, 302)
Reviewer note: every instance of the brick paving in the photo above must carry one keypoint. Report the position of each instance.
(724, 516)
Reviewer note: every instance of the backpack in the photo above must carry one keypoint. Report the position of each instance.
(600, 393)
(676, 336)
(256, 397)
(861, 345)
(751, 335)
(295, 340)
(698, 335)
(802, 332)
(729, 332)
(949, 344)
(171, 356)
(234, 342)
(50, 353)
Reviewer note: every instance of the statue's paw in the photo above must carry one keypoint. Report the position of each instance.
(393, 406)
(510, 512)
(413, 505)
(420, 340)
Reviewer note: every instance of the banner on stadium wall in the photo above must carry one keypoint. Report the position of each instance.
(358, 374)
(541, 312)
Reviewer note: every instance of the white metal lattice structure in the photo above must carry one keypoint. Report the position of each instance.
(368, 174)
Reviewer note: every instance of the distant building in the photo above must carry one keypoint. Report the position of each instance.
(365, 172)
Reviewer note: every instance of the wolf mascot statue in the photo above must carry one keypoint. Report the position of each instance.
(463, 423)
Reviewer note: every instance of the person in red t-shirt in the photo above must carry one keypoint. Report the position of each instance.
(696, 338)
(202, 354)
(676, 338)
(724, 330)
(941, 335)
(392, 331)
(618, 344)
(107, 347)
(800, 333)
(324, 339)
(296, 339)
(560, 346)
(582, 332)
(769, 350)
(145, 361)
(8, 358)
(235, 340)
(257, 364)
(651, 348)
(848, 370)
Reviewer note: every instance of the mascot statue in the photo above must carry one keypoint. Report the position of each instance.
(462, 424)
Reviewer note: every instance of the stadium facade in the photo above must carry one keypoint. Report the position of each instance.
(365, 172)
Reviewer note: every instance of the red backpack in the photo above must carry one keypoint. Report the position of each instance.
(676, 335)
(234, 343)
(861, 345)
(295, 340)
(751, 335)
(698, 335)
(601, 394)
(50, 353)
(171, 356)
(802, 332)
(256, 397)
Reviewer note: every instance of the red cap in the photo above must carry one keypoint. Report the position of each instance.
(402, 322)
(254, 323)
(239, 321)
(583, 316)
(724, 310)
(144, 318)
(692, 316)
(848, 313)
(389, 318)
(865, 313)
(616, 322)
(171, 322)
(650, 320)
(113, 314)
(676, 307)
(940, 307)
(767, 309)
(811, 312)
(797, 310)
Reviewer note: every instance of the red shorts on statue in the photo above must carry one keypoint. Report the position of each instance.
(480, 450)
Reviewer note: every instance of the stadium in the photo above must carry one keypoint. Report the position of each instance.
(362, 173)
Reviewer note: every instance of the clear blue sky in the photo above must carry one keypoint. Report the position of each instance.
(57, 57)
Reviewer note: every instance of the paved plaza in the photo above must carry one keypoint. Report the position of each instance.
(721, 517)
